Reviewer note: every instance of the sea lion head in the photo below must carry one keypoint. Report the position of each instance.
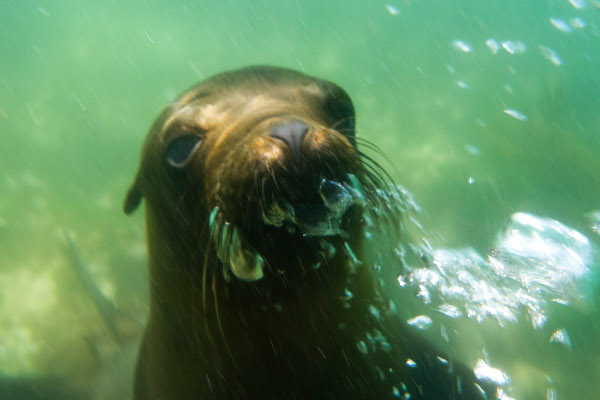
(262, 165)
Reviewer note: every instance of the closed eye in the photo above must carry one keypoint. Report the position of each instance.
(180, 148)
(345, 126)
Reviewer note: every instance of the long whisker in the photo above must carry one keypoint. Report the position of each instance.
(218, 317)
(205, 277)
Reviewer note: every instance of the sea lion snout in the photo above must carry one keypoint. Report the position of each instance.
(292, 133)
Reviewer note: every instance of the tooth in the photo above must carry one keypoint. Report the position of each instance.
(212, 217)
(235, 254)
(214, 225)
(224, 241)
(244, 263)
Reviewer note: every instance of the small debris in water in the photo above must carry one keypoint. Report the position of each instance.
(462, 46)
(421, 322)
(473, 150)
(375, 312)
(561, 336)
(493, 45)
(577, 23)
(450, 310)
(362, 347)
(578, 4)
(393, 10)
(515, 114)
(503, 396)
(483, 371)
(560, 24)
(462, 85)
(512, 47)
(594, 221)
(551, 55)
(411, 363)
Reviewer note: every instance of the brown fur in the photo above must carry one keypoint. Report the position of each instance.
(290, 334)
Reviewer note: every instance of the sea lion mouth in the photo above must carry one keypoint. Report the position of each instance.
(322, 218)
(307, 226)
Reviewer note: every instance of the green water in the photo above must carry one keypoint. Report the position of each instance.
(81, 82)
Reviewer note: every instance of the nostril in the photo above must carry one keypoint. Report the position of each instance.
(292, 134)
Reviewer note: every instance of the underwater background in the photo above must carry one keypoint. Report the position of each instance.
(483, 110)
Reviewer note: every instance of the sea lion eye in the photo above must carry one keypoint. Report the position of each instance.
(180, 148)
(345, 126)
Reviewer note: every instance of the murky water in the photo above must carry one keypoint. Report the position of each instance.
(485, 112)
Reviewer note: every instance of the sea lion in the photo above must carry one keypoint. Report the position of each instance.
(255, 196)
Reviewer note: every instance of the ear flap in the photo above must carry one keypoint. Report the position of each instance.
(133, 198)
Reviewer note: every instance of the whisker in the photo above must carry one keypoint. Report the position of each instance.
(341, 121)
(218, 317)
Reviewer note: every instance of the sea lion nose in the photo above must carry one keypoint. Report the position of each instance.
(292, 133)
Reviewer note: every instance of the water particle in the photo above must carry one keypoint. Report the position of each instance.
(442, 360)
(512, 47)
(481, 391)
(471, 180)
(393, 10)
(561, 336)
(444, 333)
(578, 4)
(450, 310)
(473, 150)
(551, 55)
(462, 85)
(594, 221)
(493, 45)
(515, 114)
(411, 363)
(374, 312)
(402, 282)
(577, 23)
(151, 41)
(483, 371)
(362, 347)
(503, 396)
(560, 24)
(462, 46)
(551, 394)
(421, 322)
(424, 294)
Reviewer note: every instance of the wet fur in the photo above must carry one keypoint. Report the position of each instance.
(295, 333)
